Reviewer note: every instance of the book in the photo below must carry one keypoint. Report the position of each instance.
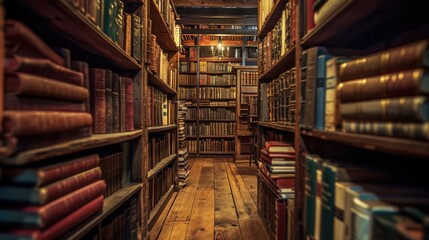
(321, 91)
(65, 54)
(411, 109)
(24, 42)
(418, 131)
(60, 227)
(97, 79)
(50, 192)
(279, 147)
(109, 102)
(128, 33)
(127, 85)
(397, 84)
(46, 215)
(42, 87)
(115, 103)
(83, 68)
(313, 163)
(136, 37)
(24, 123)
(326, 10)
(277, 162)
(408, 56)
(42, 67)
(119, 22)
(13, 102)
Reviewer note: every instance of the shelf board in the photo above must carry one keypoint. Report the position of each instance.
(161, 165)
(384, 144)
(163, 36)
(187, 85)
(156, 211)
(220, 136)
(111, 203)
(354, 21)
(213, 99)
(161, 128)
(72, 146)
(277, 127)
(217, 120)
(217, 152)
(226, 85)
(272, 18)
(82, 32)
(216, 73)
(202, 106)
(155, 81)
(286, 62)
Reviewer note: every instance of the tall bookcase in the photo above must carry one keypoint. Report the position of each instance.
(139, 179)
(342, 27)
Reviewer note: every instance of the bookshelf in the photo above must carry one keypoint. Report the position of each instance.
(110, 146)
(357, 30)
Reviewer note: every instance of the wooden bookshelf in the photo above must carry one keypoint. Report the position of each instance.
(98, 140)
(272, 18)
(203, 106)
(161, 128)
(287, 61)
(159, 27)
(161, 165)
(216, 73)
(111, 203)
(73, 25)
(279, 127)
(156, 211)
(155, 81)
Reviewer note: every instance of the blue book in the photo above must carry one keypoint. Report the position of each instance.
(320, 91)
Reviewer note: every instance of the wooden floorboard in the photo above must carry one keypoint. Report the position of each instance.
(156, 229)
(249, 175)
(216, 203)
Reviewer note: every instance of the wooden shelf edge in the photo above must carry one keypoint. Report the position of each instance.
(286, 62)
(111, 203)
(371, 142)
(72, 146)
(277, 126)
(161, 165)
(155, 81)
(154, 213)
(161, 128)
(272, 18)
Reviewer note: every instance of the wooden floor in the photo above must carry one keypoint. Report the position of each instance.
(219, 202)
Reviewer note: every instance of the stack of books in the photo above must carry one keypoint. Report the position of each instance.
(277, 168)
(46, 201)
(183, 151)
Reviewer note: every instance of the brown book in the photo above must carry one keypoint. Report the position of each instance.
(43, 67)
(37, 86)
(41, 176)
(128, 34)
(26, 43)
(404, 109)
(24, 123)
(129, 103)
(13, 102)
(91, 10)
(83, 68)
(136, 37)
(403, 83)
(46, 215)
(109, 103)
(122, 104)
(98, 99)
(404, 57)
(48, 193)
(115, 103)
(63, 225)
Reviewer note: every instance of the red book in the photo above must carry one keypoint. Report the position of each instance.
(279, 162)
(38, 86)
(310, 15)
(279, 147)
(14, 102)
(285, 182)
(42, 67)
(44, 216)
(98, 99)
(24, 123)
(127, 83)
(20, 36)
(63, 225)
(277, 156)
(48, 193)
(44, 175)
(83, 68)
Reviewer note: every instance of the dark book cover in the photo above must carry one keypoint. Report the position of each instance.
(120, 29)
(129, 106)
(108, 18)
(83, 68)
(115, 103)
(65, 54)
(109, 102)
(13, 102)
(98, 99)
(122, 103)
(136, 37)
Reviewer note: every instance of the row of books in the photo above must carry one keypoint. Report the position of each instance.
(371, 94)
(188, 93)
(213, 80)
(166, 9)
(217, 66)
(161, 110)
(191, 129)
(124, 29)
(249, 78)
(160, 184)
(112, 167)
(217, 128)
(210, 113)
(375, 201)
(45, 201)
(207, 102)
(281, 96)
(161, 146)
(192, 145)
(278, 41)
(189, 51)
(183, 149)
(187, 79)
(217, 92)
(215, 145)
(185, 67)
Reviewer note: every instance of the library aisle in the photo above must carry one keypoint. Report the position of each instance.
(219, 202)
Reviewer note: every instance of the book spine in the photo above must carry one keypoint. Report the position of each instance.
(408, 56)
(391, 109)
(91, 10)
(17, 33)
(108, 18)
(109, 102)
(128, 33)
(321, 91)
(310, 196)
(13, 102)
(37, 86)
(122, 103)
(83, 68)
(418, 131)
(136, 38)
(98, 99)
(115, 103)
(120, 24)
(22, 123)
(326, 222)
(99, 11)
(65, 55)
(403, 83)
(129, 106)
